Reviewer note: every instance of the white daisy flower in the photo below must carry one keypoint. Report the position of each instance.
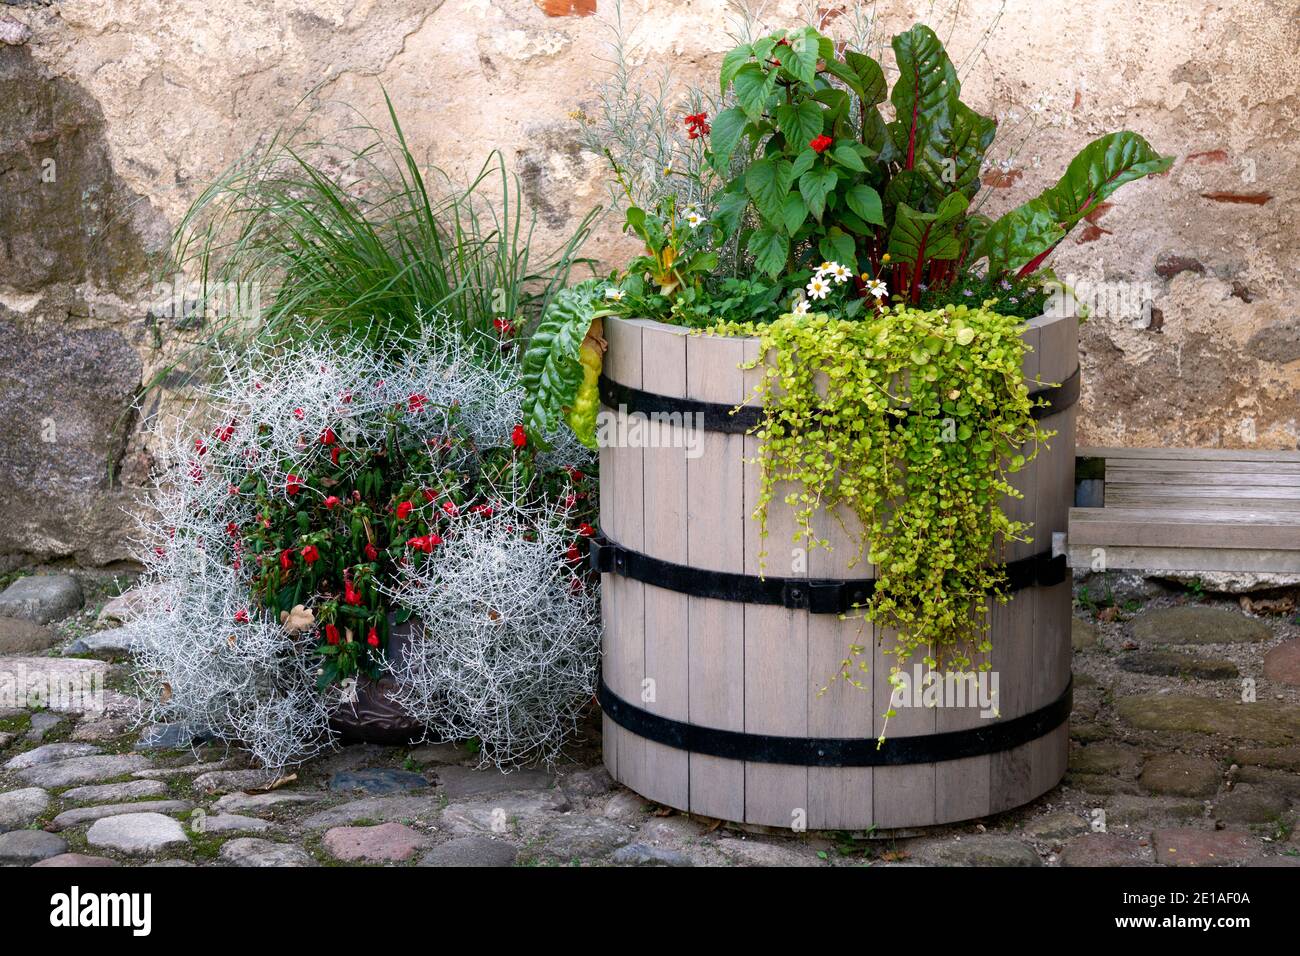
(693, 219)
(800, 307)
(826, 267)
(818, 287)
(877, 288)
(840, 274)
(615, 294)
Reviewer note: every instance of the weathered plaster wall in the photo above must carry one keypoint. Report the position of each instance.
(138, 102)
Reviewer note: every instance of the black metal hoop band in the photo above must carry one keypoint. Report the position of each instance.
(837, 751)
(815, 595)
(740, 420)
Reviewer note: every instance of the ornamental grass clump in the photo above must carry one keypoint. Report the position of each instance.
(316, 477)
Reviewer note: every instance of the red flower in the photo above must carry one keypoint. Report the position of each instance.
(415, 403)
(232, 490)
(293, 484)
(298, 414)
(372, 553)
(450, 508)
(504, 326)
(331, 502)
(232, 529)
(426, 543)
(697, 125)
(310, 554)
(241, 616)
(573, 554)
(286, 560)
(225, 432)
(200, 446)
(821, 143)
(334, 454)
(331, 634)
(518, 436)
(373, 638)
(586, 530)
(403, 509)
(350, 594)
(429, 496)
(575, 474)
(327, 437)
(569, 500)
(483, 510)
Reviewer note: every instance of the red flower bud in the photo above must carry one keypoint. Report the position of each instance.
(586, 530)
(331, 502)
(518, 436)
(241, 616)
(373, 638)
(573, 554)
(327, 437)
(286, 560)
(403, 509)
(820, 144)
(292, 484)
(310, 554)
(298, 414)
(372, 553)
(450, 508)
(331, 634)
(415, 404)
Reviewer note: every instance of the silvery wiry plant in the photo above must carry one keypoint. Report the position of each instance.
(210, 653)
(512, 643)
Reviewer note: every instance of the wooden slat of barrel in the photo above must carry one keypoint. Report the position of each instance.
(902, 796)
(716, 540)
(663, 371)
(1052, 615)
(839, 797)
(624, 666)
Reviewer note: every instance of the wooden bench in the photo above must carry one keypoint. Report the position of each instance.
(1186, 509)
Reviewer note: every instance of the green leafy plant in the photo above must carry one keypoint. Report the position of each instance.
(912, 422)
(827, 178)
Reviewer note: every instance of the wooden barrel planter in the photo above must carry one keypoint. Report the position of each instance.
(711, 673)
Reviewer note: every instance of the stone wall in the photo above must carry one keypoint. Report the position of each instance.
(113, 113)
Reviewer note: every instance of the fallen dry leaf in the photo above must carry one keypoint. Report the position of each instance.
(297, 620)
(166, 694)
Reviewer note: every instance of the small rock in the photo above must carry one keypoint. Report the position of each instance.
(50, 753)
(461, 782)
(506, 812)
(124, 607)
(194, 770)
(626, 807)
(80, 815)
(251, 851)
(1128, 809)
(76, 860)
(20, 808)
(235, 802)
(18, 636)
(143, 833)
(990, 849)
(472, 851)
(25, 847)
(1188, 847)
(80, 683)
(1106, 758)
(1162, 662)
(41, 598)
(588, 783)
(642, 854)
(1101, 849)
(379, 809)
(377, 781)
(225, 781)
(98, 731)
(583, 839)
(1055, 826)
(1279, 780)
(385, 843)
(1248, 804)
(41, 724)
(1282, 664)
(167, 737)
(118, 640)
(1181, 775)
(109, 792)
(762, 853)
(231, 823)
(65, 773)
(13, 32)
(1198, 624)
(1274, 758)
(1083, 634)
(1261, 723)
(5, 740)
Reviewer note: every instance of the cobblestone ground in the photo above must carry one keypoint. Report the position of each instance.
(1184, 772)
